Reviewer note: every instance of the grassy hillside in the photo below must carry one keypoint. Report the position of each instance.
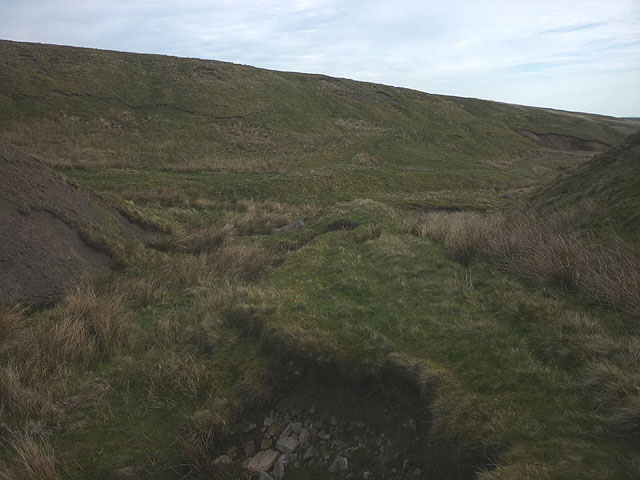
(298, 278)
(611, 182)
(80, 108)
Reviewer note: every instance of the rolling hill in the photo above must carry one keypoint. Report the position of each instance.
(339, 288)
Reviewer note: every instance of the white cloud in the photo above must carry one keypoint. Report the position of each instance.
(560, 53)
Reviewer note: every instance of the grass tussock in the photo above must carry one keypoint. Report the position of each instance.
(143, 290)
(368, 232)
(553, 250)
(103, 320)
(17, 400)
(206, 239)
(264, 217)
(230, 261)
(179, 374)
(32, 458)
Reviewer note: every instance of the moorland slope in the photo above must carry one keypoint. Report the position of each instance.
(334, 254)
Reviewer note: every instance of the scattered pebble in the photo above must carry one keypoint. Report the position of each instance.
(326, 443)
(222, 460)
(339, 464)
(286, 444)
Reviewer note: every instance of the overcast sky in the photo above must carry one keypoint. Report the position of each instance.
(581, 55)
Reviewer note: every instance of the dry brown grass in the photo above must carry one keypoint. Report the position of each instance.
(206, 239)
(368, 232)
(82, 327)
(17, 400)
(104, 319)
(32, 458)
(264, 217)
(464, 233)
(143, 290)
(552, 250)
(230, 261)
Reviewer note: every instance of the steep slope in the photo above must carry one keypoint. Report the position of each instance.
(52, 232)
(94, 109)
(610, 182)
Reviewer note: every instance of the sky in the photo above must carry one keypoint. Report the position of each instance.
(568, 54)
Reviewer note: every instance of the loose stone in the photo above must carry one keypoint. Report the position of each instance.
(339, 464)
(287, 444)
(222, 460)
(305, 437)
(278, 467)
(262, 461)
(310, 453)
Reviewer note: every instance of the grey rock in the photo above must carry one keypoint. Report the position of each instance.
(264, 476)
(296, 427)
(366, 475)
(287, 444)
(312, 410)
(222, 460)
(305, 437)
(278, 467)
(268, 421)
(339, 464)
(262, 461)
(310, 453)
(417, 472)
(287, 431)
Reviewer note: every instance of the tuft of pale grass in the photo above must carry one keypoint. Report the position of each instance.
(104, 319)
(368, 232)
(146, 289)
(552, 250)
(264, 217)
(32, 458)
(207, 239)
(69, 342)
(16, 400)
(241, 261)
(463, 233)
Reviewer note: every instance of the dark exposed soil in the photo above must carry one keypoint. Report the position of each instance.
(45, 223)
(568, 143)
(378, 428)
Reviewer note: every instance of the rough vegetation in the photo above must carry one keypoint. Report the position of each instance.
(409, 285)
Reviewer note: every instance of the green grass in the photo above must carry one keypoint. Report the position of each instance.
(611, 181)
